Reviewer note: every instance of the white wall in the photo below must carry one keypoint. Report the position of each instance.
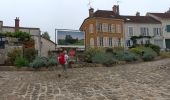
(137, 32)
(46, 46)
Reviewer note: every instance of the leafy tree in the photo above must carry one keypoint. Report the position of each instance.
(46, 35)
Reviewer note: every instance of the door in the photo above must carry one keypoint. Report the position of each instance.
(167, 42)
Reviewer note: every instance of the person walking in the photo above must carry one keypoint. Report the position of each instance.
(63, 60)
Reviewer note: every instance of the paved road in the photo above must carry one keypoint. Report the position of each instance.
(142, 81)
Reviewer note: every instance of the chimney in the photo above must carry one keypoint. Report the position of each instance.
(168, 11)
(116, 9)
(91, 12)
(17, 24)
(137, 13)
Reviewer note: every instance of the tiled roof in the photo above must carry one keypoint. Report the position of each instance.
(105, 14)
(162, 15)
(134, 19)
(139, 19)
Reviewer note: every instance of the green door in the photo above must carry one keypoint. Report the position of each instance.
(167, 41)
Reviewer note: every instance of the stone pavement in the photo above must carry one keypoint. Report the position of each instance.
(142, 81)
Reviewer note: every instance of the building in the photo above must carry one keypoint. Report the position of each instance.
(164, 18)
(35, 32)
(145, 28)
(103, 28)
(46, 47)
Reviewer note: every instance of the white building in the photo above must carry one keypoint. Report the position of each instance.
(164, 18)
(144, 27)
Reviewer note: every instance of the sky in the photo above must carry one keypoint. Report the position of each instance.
(49, 15)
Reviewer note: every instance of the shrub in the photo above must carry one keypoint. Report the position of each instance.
(39, 62)
(109, 50)
(165, 54)
(129, 56)
(149, 55)
(137, 50)
(52, 61)
(126, 56)
(155, 48)
(14, 54)
(104, 58)
(20, 62)
(90, 53)
(30, 54)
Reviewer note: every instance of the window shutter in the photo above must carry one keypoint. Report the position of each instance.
(168, 28)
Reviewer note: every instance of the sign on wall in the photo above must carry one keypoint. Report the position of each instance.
(70, 38)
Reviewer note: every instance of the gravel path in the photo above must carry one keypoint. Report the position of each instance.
(142, 81)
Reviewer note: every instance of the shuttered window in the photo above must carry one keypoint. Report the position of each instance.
(168, 28)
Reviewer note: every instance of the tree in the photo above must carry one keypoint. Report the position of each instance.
(46, 35)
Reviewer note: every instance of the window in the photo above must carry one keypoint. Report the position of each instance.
(99, 27)
(130, 31)
(101, 41)
(105, 27)
(118, 28)
(91, 42)
(144, 31)
(110, 41)
(2, 42)
(91, 28)
(157, 31)
(168, 28)
(109, 27)
(113, 29)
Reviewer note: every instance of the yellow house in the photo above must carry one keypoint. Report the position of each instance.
(103, 28)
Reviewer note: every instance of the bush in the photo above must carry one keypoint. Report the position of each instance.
(39, 62)
(90, 53)
(104, 58)
(21, 62)
(14, 54)
(126, 56)
(30, 54)
(155, 48)
(165, 54)
(109, 50)
(137, 50)
(149, 55)
(129, 56)
(52, 61)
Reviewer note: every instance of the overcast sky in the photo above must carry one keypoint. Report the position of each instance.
(68, 14)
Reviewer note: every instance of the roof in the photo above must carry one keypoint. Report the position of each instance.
(21, 27)
(140, 19)
(162, 15)
(104, 14)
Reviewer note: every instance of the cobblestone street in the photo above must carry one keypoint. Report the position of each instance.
(141, 81)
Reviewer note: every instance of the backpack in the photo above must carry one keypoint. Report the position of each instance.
(62, 59)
